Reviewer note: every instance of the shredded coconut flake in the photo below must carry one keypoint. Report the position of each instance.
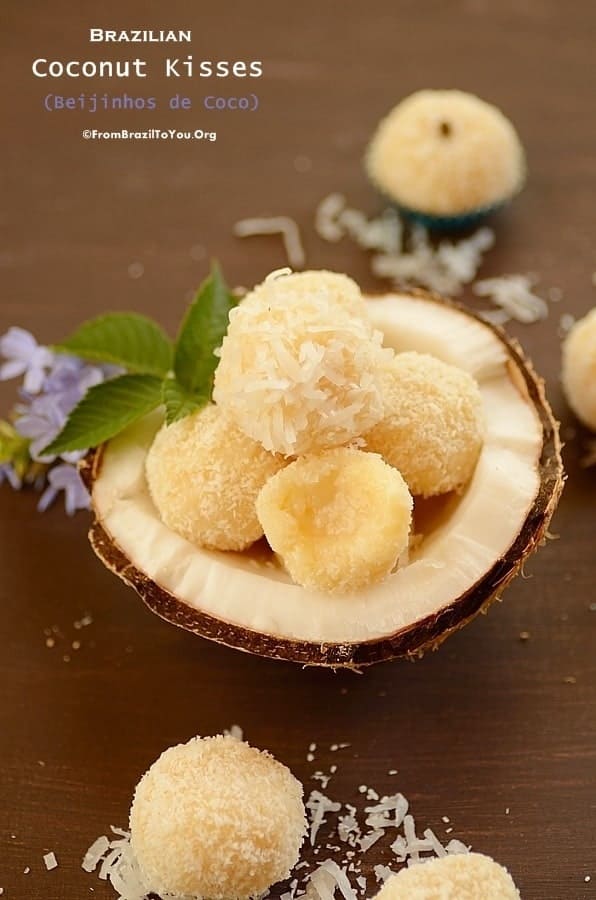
(235, 731)
(322, 778)
(446, 268)
(318, 806)
(95, 852)
(326, 217)
(382, 873)
(513, 295)
(283, 225)
(566, 323)
(369, 839)
(50, 861)
(334, 219)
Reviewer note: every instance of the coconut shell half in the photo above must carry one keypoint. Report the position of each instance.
(469, 546)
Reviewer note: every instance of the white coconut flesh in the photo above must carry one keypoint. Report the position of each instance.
(462, 535)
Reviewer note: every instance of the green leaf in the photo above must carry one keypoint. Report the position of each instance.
(179, 402)
(125, 339)
(105, 410)
(202, 332)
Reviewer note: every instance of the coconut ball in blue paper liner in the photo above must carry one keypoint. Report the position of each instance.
(446, 159)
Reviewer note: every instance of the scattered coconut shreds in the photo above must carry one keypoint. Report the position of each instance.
(445, 269)
(235, 731)
(382, 873)
(369, 839)
(327, 215)
(50, 861)
(335, 220)
(513, 296)
(348, 829)
(318, 806)
(283, 225)
(322, 778)
(566, 323)
(337, 876)
(95, 853)
(117, 865)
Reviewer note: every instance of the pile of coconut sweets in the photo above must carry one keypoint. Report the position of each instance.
(318, 437)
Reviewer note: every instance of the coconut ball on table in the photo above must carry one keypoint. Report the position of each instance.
(465, 876)
(579, 369)
(446, 158)
(215, 818)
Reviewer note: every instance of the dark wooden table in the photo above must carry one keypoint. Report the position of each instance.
(490, 721)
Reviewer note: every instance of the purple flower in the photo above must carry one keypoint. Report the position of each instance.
(43, 416)
(70, 378)
(40, 421)
(24, 357)
(7, 473)
(65, 477)
(52, 386)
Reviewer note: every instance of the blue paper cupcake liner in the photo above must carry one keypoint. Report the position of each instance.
(444, 223)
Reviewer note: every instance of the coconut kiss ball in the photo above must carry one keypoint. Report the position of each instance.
(579, 369)
(465, 876)
(446, 154)
(433, 426)
(334, 286)
(339, 519)
(216, 818)
(204, 475)
(299, 369)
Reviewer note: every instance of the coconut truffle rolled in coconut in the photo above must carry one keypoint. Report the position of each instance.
(433, 426)
(339, 520)
(216, 818)
(579, 369)
(299, 368)
(335, 287)
(204, 475)
(465, 876)
(446, 154)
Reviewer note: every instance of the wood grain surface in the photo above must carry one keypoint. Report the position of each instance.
(490, 722)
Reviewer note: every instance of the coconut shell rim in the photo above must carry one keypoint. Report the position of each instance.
(409, 642)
